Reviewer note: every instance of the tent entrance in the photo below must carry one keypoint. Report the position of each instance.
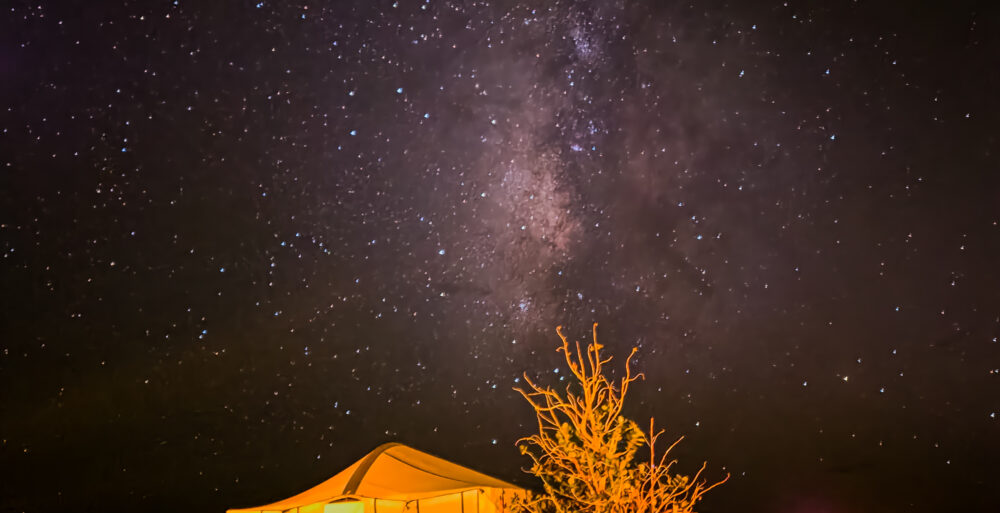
(347, 506)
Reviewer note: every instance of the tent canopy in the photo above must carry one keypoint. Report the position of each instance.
(391, 472)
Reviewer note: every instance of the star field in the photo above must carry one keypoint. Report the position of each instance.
(243, 243)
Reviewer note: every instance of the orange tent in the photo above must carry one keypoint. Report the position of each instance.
(395, 478)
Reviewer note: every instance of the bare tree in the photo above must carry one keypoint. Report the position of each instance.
(588, 455)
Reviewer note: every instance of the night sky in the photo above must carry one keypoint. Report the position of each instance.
(243, 243)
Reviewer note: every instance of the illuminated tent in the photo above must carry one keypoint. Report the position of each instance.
(395, 478)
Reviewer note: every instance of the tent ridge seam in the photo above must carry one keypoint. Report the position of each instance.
(355, 481)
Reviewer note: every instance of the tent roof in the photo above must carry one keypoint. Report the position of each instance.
(393, 472)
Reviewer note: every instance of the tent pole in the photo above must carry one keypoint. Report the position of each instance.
(463, 500)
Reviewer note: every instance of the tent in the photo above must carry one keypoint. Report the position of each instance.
(395, 478)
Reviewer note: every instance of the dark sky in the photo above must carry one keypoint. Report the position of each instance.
(244, 243)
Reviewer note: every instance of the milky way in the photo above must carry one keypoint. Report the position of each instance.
(243, 243)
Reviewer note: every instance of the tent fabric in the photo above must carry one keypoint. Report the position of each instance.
(395, 478)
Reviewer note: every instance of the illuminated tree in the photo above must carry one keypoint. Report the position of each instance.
(589, 456)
